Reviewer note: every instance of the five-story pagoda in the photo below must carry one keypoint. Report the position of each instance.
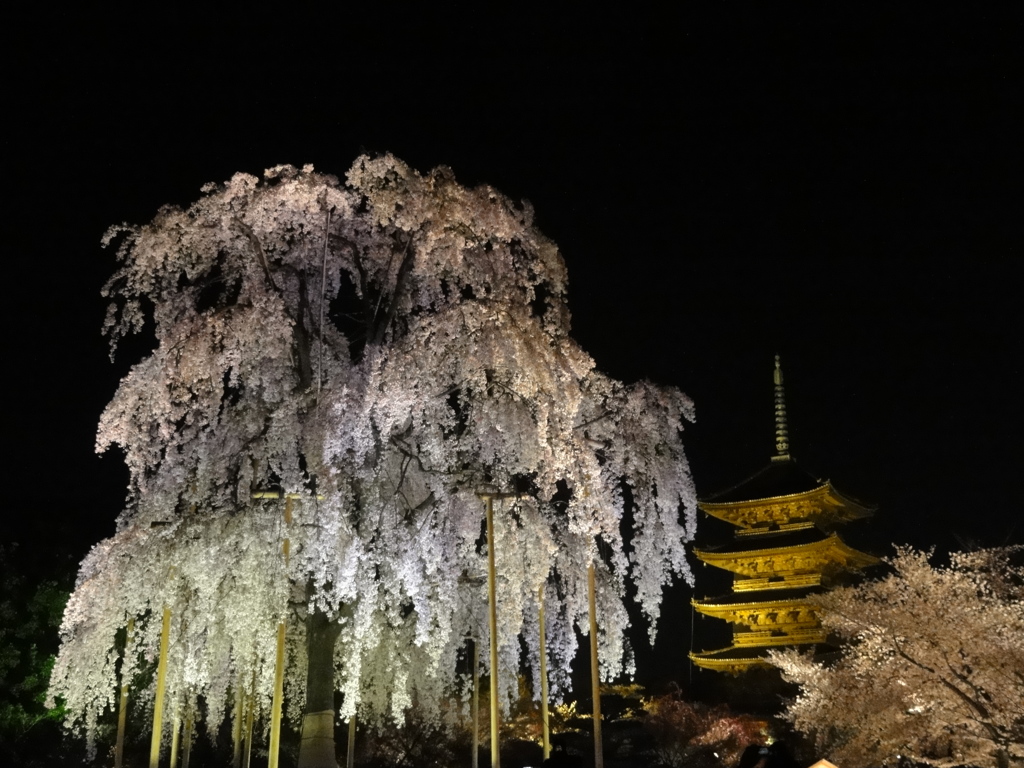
(785, 549)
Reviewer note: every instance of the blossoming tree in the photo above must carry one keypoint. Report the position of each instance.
(341, 368)
(934, 668)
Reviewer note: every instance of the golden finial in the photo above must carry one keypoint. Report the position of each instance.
(781, 427)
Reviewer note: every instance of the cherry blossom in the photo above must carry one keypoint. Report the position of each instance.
(933, 669)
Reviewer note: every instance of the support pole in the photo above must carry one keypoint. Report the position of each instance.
(236, 729)
(493, 625)
(476, 703)
(350, 751)
(250, 715)
(122, 704)
(275, 708)
(187, 749)
(176, 721)
(545, 725)
(161, 684)
(595, 671)
(286, 546)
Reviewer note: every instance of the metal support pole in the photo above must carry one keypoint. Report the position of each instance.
(545, 725)
(350, 751)
(161, 684)
(476, 703)
(122, 704)
(493, 625)
(595, 671)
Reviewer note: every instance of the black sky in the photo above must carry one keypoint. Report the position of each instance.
(837, 186)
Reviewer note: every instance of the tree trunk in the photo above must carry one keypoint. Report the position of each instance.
(316, 750)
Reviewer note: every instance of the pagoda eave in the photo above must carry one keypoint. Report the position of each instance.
(729, 666)
(788, 561)
(781, 614)
(823, 505)
(743, 653)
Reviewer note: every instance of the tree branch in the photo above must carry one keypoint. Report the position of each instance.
(979, 708)
(258, 248)
(302, 338)
(403, 273)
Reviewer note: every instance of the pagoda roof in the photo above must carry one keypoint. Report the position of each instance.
(729, 664)
(803, 557)
(752, 542)
(782, 477)
(782, 494)
(731, 659)
(736, 659)
(746, 612)
(732, 652)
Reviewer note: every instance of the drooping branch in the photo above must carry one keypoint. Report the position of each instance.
(364, 295)
(323, 307)
(302, 340)
(404, 269)
(935, 674)
(257, 247)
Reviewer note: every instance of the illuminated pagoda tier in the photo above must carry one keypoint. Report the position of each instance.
(786, 548)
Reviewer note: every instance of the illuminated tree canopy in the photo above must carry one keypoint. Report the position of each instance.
(381, 348)
(934, 668)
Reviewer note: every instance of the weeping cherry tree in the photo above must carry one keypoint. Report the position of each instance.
(344, 366)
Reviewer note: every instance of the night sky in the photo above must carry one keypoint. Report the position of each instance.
(837, 187)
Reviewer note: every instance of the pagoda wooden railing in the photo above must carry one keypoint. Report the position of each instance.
(766, 583)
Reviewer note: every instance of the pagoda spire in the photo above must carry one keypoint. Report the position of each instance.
(781, 425)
